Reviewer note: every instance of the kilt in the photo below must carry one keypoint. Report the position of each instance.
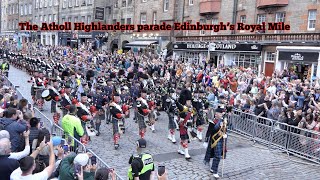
(33, 92)
(151, 115)
(53, 106)
(115, 127)
(39, 93)
(200, 120)
(101, 116)
(172, 124)
(141, 122)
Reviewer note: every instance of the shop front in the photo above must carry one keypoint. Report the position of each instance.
(84, 37)
(64, 38)
(227, 54)
(300, 60)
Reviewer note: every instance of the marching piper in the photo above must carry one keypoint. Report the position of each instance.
(170, 107)
(67, 99)
(39, 88)
(184, 106)
(56, 97)
(108, 90)
(117, 116)
(198, 118)
(143, 112)
(216, 141)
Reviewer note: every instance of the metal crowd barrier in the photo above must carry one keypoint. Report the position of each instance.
(300, 142)
(58, 131)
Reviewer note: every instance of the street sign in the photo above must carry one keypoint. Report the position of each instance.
(212, 47)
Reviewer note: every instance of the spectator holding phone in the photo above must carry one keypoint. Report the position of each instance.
(71, 165)
(28, 165)
(14, 124)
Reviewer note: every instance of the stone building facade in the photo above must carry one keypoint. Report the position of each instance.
(9, 18)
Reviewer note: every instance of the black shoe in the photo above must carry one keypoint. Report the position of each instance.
(116, 146)
(98, 134)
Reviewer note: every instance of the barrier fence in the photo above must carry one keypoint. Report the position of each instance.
(300, 142)
(76, 145)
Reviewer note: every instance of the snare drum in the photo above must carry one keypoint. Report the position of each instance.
(46, 95)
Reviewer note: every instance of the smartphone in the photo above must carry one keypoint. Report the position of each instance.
(63, 142)
(77, 169)
(66, 148)
(47, 138)
(93, 160)
(161, 170)
(41, 124)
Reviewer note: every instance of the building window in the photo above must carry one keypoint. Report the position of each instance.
(144, 0)
(9, 9)
(128, 20)
(64, 4)
(190, 2)
(114, 21)
(83, 2)
(50, 2)
(280, 17)
(269, 57)
(21, 10)
(116, 4)
(312, 16)
(45, 3)
(70, 3)
(36, 19)
(63, 20)
(83, 19)
(243, 19)
(89, 1)
(143, 18)
(214, 22)
(44, 18)
(37, 4)
(261, 18)
(76, 2)
(69, 19)
(54, 18)
(41, 19)
(165, 5)
(89, 19)
(129, 2)
(124, 3)
(25, 9)
(123, 21)
(202, 32)
(154, 21)
(30, 8)
(50, 18)
(56, 2)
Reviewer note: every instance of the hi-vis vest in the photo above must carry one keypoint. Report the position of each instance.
(147, 165)
(4, 66)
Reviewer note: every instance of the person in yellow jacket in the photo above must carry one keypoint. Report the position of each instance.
(141, 165)
(71, 125)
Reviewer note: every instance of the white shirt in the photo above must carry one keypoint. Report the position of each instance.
(16, 175)
(272, 89)
(20, 155)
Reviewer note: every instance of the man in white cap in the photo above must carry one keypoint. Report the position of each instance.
(67, 166)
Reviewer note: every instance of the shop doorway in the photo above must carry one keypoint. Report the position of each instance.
(268, 69)
(303, 71)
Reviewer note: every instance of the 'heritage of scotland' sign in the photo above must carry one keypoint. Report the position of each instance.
(298, 56)
(218, 47)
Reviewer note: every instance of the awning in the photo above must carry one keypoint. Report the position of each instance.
(140, 43)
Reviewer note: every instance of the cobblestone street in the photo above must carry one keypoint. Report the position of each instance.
(244, 160)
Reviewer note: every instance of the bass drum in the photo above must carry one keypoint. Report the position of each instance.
(46, 95)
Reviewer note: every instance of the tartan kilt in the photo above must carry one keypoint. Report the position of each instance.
(151, 115)
(200, 121)
(39, 93)
(217, 150)
(115, 128)
(172, 124)
(141, 122)
(33, 92)
(102, 115)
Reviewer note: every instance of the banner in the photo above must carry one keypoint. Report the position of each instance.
(99, 13)
(218, 47)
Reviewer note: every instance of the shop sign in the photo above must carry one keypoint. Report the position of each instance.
(84, 35)
(298, 56)
(218, 46)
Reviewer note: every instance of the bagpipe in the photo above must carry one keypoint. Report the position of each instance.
(84, 113)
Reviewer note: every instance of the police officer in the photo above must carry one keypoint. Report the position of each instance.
(141, 164)
(5, 68)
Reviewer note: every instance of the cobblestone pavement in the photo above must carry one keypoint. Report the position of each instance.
(244, 161)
